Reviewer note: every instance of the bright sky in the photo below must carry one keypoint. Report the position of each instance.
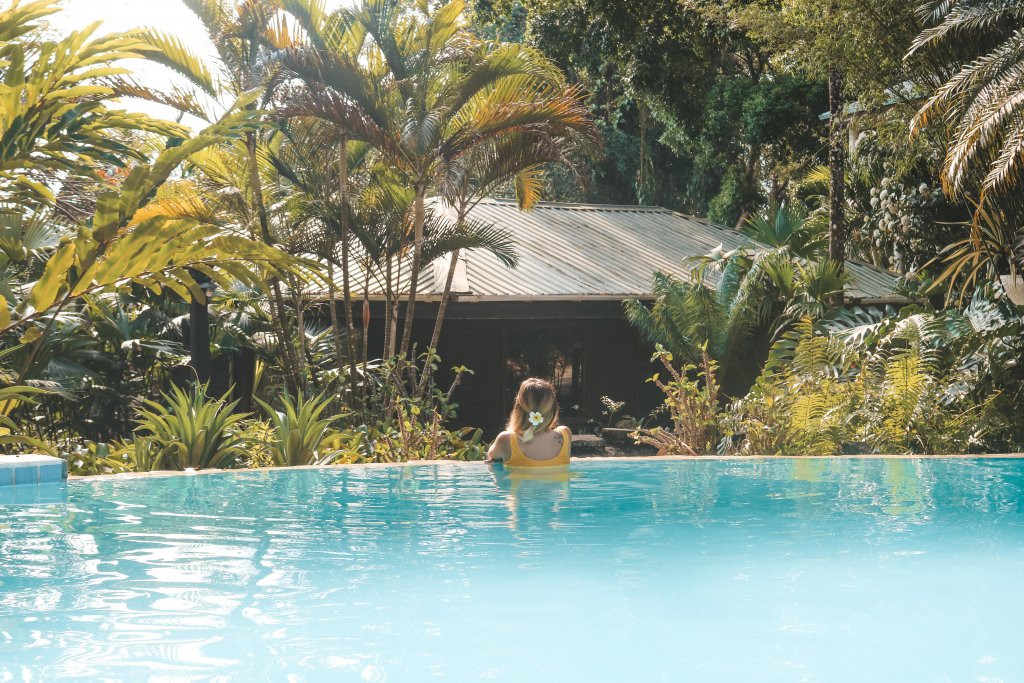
(169, 16)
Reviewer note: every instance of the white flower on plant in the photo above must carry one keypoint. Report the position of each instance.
(536, 418)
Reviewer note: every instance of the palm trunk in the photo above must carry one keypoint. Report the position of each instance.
(290, 361)
(389, 304)
(345, 278)
(750, 184)
(435, 338)
(199, 333)
(396, 300)
(414, 276)
(300, 322)
(366, 329)
(439, 321)
(836, 167)
(332, 296)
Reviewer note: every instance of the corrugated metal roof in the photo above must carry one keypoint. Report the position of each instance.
(592, 251)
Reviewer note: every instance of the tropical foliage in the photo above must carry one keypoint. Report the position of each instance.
(978, 43)
(299, 430)
(735, 302)
(137, 254)
(341, 152)
(691, 404)
(917, 380)
(187, 430)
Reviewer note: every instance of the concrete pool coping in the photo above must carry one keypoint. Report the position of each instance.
(612, 458)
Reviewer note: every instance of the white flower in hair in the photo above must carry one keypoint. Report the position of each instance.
(536, 420)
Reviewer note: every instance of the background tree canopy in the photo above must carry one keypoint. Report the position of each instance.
(694, 114)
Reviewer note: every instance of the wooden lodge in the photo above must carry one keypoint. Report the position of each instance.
(558, 314)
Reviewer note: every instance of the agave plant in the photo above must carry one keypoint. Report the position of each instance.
(191, 431)
(299, 430)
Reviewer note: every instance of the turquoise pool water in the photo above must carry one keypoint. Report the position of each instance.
(750, 570)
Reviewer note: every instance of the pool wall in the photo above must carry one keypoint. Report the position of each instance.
(609, 458)
(31, 470)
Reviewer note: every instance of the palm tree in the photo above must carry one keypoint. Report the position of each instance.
(984, 255)
(56, 124)
(61, 138)
(978, 47)
(735, 303)
(376, 219)
(423, 94)
(244, 33)
(518, 158)
(306, 159)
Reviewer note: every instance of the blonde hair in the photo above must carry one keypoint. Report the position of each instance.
(535, 395)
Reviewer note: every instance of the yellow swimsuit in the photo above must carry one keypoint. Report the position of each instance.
(522, 463)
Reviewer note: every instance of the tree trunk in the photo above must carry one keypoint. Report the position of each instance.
(441, 308)
(750, 184)
(395, 300)
(199, 332)
(300, 322)
(443, 305)
(345, 276)
(837, 170)
(332, 297)
(414, 276)
(245, 379)
(290, 361)
(366, 331)
(389, 304)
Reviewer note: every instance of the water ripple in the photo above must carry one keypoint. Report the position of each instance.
(714, 570)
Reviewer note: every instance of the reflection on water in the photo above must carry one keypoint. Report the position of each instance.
(714, 570)
(532, 495)
(34, 494)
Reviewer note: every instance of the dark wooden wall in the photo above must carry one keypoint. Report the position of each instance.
(616, 360)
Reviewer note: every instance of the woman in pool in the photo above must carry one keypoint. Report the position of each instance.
(532, 440)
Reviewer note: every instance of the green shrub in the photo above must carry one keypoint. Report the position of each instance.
(388, 443)
(881, 392)
(98, 458)
(691, 400)
(404, 417)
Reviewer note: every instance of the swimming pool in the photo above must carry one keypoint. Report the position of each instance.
(714, 570)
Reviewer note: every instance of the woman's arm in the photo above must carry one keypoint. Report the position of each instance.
(499, 450)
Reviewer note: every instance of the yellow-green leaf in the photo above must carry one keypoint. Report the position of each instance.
(44, 292)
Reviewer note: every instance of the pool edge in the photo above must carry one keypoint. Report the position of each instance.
(610, 458)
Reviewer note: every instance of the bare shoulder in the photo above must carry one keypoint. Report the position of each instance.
(565, 431)
(500, 447)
